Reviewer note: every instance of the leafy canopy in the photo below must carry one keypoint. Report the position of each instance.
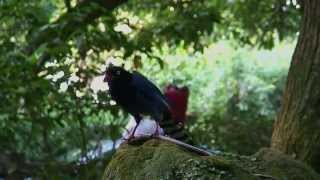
(51, 50)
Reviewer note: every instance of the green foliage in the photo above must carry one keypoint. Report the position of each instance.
(50, 52)
(259, 23)
(235, 94)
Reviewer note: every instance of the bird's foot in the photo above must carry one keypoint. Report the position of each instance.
(154, 135)
(137, 140)
(128, 139)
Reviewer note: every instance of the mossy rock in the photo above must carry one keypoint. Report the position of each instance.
(157, 159)
(283, 167)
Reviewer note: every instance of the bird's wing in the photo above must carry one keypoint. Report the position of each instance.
(142, 81)
(148, 90)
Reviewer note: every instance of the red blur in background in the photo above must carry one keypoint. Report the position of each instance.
(178, 101)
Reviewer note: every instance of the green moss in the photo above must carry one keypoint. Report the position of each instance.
(284, 167)
(156, 159)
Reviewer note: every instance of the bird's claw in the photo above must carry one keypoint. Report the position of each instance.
(130, 138)
(154, 135)
(137, 140)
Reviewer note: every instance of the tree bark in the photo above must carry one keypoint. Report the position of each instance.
(297, 128)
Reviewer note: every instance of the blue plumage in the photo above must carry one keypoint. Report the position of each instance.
(136, 94)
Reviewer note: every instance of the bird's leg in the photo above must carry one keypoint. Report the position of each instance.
(137, 118)
(157, 129)
(156, 132)
(128, 132)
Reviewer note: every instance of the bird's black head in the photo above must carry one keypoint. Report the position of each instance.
(114, 73)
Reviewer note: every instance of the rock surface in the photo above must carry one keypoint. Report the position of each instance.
(157, 159)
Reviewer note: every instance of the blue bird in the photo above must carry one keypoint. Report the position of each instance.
(136, 95)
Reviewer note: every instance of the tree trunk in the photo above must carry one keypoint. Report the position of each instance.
(297, 128)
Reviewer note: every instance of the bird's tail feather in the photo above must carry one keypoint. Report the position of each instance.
(188, 146)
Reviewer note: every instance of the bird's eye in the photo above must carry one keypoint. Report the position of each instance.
(118, 72)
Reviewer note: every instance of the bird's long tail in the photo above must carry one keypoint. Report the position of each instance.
(173, 130)
(187, 146)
